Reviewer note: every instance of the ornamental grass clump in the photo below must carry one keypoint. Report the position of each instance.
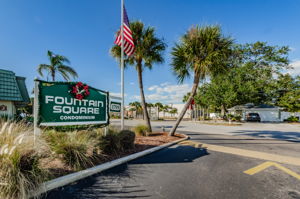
(75, 148)
(126, 138)
(109, 143)
(20, 172)
(141, 130)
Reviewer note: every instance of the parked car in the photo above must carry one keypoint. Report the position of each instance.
(252, 117)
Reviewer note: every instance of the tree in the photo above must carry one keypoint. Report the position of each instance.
(57, 65)
(148, 51)
(173, 111)
(150, 105)
(289, 92)
(165, 109)
(159, 108)
(250, 78)
(291, 101)
(202, 51)
(137, 107)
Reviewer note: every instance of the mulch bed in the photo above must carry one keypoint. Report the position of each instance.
(146, 142)
(58, 168)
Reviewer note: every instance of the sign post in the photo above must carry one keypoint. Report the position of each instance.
(36, 129)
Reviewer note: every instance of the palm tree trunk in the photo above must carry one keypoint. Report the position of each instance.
(53, 76)
(136, 112)
(140, 78)
(186, 106)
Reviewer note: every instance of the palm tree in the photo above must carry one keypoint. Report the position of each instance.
(165, 109)
(159, 108)
(150, 105)
(173, 111)
(57, 64)
(137, 107)
(148, 51)
(202, 51)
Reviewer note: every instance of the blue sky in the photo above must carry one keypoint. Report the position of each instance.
(83, 31)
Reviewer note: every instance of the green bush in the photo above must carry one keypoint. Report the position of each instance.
(236, 118)
(115, 117)
(141, 130)
(126, 138)
(72, 148)
(110, 143)
(292, 119)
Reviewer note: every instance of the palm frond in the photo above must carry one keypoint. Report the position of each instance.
(43, 67)
(203, 50)
(67, 71)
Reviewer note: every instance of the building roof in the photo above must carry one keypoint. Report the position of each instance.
(12, 87)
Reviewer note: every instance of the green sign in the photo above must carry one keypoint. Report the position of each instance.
(115, 107)
(65, 103)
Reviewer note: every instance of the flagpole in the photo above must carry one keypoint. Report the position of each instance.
(122, 65)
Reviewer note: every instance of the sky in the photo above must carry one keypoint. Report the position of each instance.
(84, 31)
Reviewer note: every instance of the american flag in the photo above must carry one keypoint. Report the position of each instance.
(128, 40)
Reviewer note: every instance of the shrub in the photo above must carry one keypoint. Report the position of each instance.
(292, 119)
(126, 138)
(233, 117)
(20, 171)
(110, 143)
(141, 130)
(72, 148)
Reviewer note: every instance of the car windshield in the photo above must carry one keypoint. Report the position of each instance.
(253, 114)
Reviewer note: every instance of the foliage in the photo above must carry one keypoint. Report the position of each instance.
(250, 79)
(72, 147)
(110, 143)
(57, 64)
(141, 130)
(235, 118)
(20, 157)
(136, 106)
(126, 139)
(202, 51)
(292, 119)
(114, 116)
(288, 92)
(148, 51)
(173, 111)
(20, 171)
(73, 128)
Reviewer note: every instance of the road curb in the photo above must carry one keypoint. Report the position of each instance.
(73, 177)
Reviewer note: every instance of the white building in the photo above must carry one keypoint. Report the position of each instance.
(267, 113)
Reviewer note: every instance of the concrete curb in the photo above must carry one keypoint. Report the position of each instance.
(70, 178)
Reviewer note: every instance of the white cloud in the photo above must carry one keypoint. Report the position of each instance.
(165, 84)
(292, 49)
(117, 94)
(131, 83)
(152, 88)
(296, 68)
(135, 98)
(167, 92)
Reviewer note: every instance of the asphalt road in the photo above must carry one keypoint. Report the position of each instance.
(188, 170)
